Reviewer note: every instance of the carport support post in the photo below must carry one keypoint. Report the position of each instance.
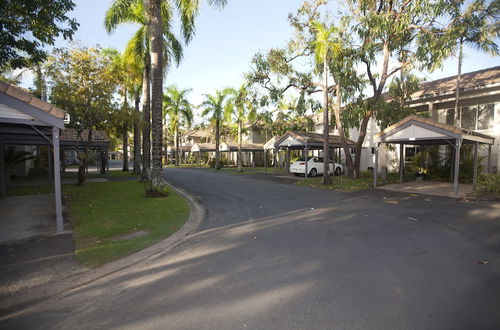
(474, 173)
(305, 156)
(287, 159)
(456, 166)
(375, 168)
(49, 159)
(488, 169)
(265, 160)
(57, 180)
(275, 160)
(401, 162)
(2, 171)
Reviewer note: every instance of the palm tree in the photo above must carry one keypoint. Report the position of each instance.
(178, 108)
(214, 108)
(188, 10)
(323, 46)
(138, 51)
(238, 106)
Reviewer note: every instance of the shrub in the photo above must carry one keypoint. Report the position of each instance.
(490, 182)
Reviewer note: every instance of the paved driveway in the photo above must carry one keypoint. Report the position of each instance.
(277, 256)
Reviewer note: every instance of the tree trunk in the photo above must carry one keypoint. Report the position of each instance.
(217, 142)
(82, 157)
(146, 125)
(137, 137)
(340, 128)
(176, 145)
(156, 42)
(326, 127)
(240, 165)
(125, 148)
(457, 87)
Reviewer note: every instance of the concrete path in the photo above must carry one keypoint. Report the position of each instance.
(278, 256)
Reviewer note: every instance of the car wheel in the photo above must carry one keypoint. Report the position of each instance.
(313, 172)
(338, 171)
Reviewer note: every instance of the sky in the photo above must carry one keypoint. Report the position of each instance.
(226, 40)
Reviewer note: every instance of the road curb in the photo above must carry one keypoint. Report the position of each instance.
(77, 280)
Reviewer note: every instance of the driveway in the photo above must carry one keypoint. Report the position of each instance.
(272, 255)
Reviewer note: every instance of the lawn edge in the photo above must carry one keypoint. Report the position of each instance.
(75, 281)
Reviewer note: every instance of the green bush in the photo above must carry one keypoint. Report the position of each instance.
(490, 182)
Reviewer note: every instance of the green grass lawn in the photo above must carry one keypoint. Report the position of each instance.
(339, 183)
(101, 212)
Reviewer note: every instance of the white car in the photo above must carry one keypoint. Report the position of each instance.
(314, 167)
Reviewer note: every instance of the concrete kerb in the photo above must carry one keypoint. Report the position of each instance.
(75, 281)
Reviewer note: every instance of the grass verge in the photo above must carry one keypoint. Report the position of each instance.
(102, 214)
(339, 183)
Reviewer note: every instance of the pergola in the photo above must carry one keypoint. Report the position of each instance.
(27, 120)
(415, 130)
(306, 141)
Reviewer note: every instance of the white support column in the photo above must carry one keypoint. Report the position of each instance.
(458, 143)
(375, 167)
(401, 162)
(488, 168)
(57, 180)
(307, 159)
(474, 173)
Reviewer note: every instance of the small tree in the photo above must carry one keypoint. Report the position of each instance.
(82, 82)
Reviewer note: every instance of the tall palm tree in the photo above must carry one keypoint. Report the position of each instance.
(178, 109)
(188, 10)
(214, 109)
(323, 46)
(138, 51)
(240, 108)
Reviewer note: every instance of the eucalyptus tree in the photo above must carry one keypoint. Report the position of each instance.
(214, 109)
(398, 35)
(179, 110)
(239, 106)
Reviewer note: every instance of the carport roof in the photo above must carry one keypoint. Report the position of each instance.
(203, 147)
(418, 130)
(225, 146)
(298, 140)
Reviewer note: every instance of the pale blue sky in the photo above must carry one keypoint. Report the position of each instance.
(225, 41)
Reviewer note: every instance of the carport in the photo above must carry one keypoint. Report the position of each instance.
(415, 130)
(245, 147)
(27, 120)
(305, 142)
(202, 148)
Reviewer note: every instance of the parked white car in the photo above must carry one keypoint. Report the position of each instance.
(314, 167)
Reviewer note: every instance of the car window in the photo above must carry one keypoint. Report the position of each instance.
(318, 160)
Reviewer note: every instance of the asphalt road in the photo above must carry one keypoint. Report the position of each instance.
(271, 255)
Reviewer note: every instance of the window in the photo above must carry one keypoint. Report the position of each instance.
(373, 151)
(352, 151)
(475, 117)
(485, 115)
(468, 117)
(450, 117)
